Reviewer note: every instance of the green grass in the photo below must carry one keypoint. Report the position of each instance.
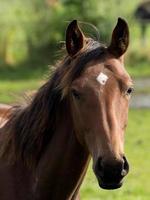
(11, 91)
(136, 184)
(143, 91)
(141, 69)
(15, 83)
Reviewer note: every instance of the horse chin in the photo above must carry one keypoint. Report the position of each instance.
(110, 186)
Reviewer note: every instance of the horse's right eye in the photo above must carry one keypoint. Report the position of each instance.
(76, 94)
(129, 91)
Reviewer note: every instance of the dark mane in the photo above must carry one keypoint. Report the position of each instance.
(30, 128)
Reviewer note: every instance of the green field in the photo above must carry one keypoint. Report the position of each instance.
(136, 184)
(16, 83)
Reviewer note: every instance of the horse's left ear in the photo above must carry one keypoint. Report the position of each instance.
(120, 39)
(74, 38)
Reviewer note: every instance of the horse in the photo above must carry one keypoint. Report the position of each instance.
(79, 114)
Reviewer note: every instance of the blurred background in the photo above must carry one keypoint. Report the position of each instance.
(31, 36)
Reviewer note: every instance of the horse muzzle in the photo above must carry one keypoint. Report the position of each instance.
(110, 174)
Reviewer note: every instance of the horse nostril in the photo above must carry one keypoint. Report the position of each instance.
(125, 169)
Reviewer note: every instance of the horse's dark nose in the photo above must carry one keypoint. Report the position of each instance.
(110, 174)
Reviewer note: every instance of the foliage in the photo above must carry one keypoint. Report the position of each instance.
(31, 30)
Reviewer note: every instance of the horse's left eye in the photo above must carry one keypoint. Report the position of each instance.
(129, 91)
(76, 94)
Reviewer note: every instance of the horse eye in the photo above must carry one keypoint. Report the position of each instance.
(76, 94)
(129, 91)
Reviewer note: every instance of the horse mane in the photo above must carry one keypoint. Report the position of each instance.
(30, 128)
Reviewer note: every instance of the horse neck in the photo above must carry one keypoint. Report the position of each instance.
(63, 166)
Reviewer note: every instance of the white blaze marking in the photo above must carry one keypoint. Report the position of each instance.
(102, 78)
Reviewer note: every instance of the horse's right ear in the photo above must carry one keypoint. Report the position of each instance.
(74, 38)
(120, 39)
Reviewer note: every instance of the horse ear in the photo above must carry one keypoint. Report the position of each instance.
(74, 38)
(120, 39)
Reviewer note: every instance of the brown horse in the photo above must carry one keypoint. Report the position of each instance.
(81, 112)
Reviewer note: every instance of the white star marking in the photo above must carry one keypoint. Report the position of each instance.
(102, 78)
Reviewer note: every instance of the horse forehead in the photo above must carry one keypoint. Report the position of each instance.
(93, 70)
(117, 67)
(101, 71)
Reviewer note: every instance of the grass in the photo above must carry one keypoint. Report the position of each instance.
(137, 62)
(143, 91)
(16, 89)
(136, 184)
(14, 83)
(139, 70)
(137, 56)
